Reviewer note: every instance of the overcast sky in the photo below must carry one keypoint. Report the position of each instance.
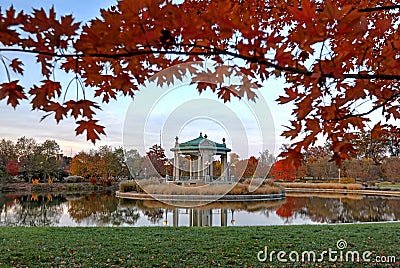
(181, 112)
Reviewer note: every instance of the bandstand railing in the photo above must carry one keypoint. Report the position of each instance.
(200, 179)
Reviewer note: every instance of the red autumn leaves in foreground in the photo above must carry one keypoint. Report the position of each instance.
(339, 60)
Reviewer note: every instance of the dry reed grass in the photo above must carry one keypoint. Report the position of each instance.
(349, 186)
(387, 182)
(210, 189)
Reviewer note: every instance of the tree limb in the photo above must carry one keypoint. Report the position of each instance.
(373, 108)
(210, 51)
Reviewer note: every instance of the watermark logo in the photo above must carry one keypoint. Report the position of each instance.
(338, 254)
(341, 244)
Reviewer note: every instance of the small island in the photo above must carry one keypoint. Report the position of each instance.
(194, 180)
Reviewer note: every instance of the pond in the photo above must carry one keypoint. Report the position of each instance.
(107, 210)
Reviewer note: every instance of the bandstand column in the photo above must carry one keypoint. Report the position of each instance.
(190, 167)
(210, 166)
(176, 166)
(200, 167)
(224, 165)
(194, 168)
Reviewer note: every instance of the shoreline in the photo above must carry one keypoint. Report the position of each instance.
(86, 187)
(55, 188)
(146, 196)
(383, 192)
(194, 198)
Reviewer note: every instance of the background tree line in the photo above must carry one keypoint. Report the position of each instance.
(117, 162)
(29, 159)
(107, 162)
(377, 157)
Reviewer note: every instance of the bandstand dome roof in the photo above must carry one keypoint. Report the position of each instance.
(201, 143)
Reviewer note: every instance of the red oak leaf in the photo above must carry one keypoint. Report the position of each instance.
(13, 91)
(16, 66)
(92, 129)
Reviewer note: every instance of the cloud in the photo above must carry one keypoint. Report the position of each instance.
(24, 122)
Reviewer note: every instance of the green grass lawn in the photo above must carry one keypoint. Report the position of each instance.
(191, 246)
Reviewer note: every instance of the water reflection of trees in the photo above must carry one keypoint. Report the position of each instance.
(47, 210)
(154, 215)
(30, 210)
(341, 210)
(106, 210)
(102, 209)
(371, 209)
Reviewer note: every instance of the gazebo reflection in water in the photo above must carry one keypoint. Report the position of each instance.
(197, 217)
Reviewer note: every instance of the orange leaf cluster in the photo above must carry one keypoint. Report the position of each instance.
(335, 56)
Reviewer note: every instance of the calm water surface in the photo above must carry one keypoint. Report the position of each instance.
(107, 210)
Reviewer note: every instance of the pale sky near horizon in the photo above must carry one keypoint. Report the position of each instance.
(24, 122)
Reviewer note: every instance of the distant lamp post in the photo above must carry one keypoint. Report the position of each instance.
(166, 164)
(207, 166)
(228, 170)
(339, 175)
(232, 167)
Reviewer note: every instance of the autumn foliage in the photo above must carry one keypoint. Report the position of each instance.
(103, 163)
(246, 168)
(281, 171)
(12, 167)
(155, 161)
(339, 59)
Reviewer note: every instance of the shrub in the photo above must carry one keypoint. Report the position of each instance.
(347, 180)
(129, 186)
(93, 180)
(73, 179)
(107, 182)
(37, 187)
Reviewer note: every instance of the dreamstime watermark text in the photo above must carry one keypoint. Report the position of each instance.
(337, 254)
